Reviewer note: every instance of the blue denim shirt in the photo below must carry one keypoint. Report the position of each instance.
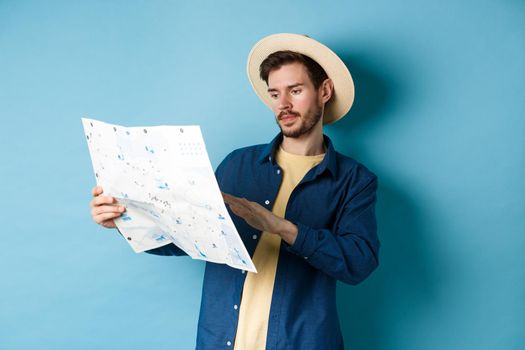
(334, 210)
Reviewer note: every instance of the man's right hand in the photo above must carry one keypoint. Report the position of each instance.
(104, 208)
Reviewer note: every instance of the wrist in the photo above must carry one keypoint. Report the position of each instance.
(288, 232)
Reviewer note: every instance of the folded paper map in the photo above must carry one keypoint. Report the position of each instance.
(163, 176)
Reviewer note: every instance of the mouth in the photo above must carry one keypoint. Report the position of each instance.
(288, 118)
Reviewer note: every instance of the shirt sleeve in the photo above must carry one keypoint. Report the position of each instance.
(167, 250)
(350, 253)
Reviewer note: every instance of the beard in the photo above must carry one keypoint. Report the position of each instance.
(307, 122)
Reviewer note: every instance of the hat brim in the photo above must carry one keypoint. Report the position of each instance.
(343, 94)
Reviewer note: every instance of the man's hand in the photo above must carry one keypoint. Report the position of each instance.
(104, 208)
(261, 218)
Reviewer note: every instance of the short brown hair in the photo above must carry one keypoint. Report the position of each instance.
(279, 58)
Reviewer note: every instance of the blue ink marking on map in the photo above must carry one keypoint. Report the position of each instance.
(163, 185)
(124, 195)
(125, 217)
(160, 238)
(220, 217)
(178, 221)
(120, 156)
(198, 249)
(150, 150)
(239, 256)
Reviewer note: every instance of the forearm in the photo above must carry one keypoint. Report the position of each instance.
(347, 257)
(288, 231)
(349, 250)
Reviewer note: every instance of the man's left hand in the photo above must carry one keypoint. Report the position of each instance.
(261, 218)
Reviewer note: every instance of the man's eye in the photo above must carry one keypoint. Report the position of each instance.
(274, 96)
(296, 91)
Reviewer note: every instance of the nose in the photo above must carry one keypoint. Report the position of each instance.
(284, 102)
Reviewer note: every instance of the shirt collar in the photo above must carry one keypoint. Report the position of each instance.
(329, 162)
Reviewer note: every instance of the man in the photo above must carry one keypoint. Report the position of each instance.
(305, 212)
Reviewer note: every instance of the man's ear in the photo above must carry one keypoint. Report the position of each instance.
(326, 90)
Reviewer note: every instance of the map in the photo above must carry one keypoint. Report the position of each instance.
(164, 178)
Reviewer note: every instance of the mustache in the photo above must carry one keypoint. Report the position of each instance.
(283, 113)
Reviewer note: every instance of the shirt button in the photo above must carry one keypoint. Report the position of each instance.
(305, 258)
(254, 236)
(235, 307)
(229, 343)
(266, 202)
(278, 171)
(243, 271)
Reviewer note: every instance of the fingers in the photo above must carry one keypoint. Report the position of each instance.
(109, 224)
(98, 199)
(241, 207)
(105, 214)
(239, 210)
(232, 200)
(102, 200)
(235, 203)
(104, 209)
(247, 203)
(228, 198)
(97, 190)
(103, 219)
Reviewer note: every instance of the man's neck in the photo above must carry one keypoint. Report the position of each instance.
(311, 144)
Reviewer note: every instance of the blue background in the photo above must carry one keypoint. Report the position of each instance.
(439, 116)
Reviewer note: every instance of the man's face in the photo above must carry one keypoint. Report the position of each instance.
(295, 101)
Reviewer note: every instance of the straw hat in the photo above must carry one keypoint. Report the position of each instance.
(343, 94)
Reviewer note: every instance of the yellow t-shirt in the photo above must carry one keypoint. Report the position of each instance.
(258, 287)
